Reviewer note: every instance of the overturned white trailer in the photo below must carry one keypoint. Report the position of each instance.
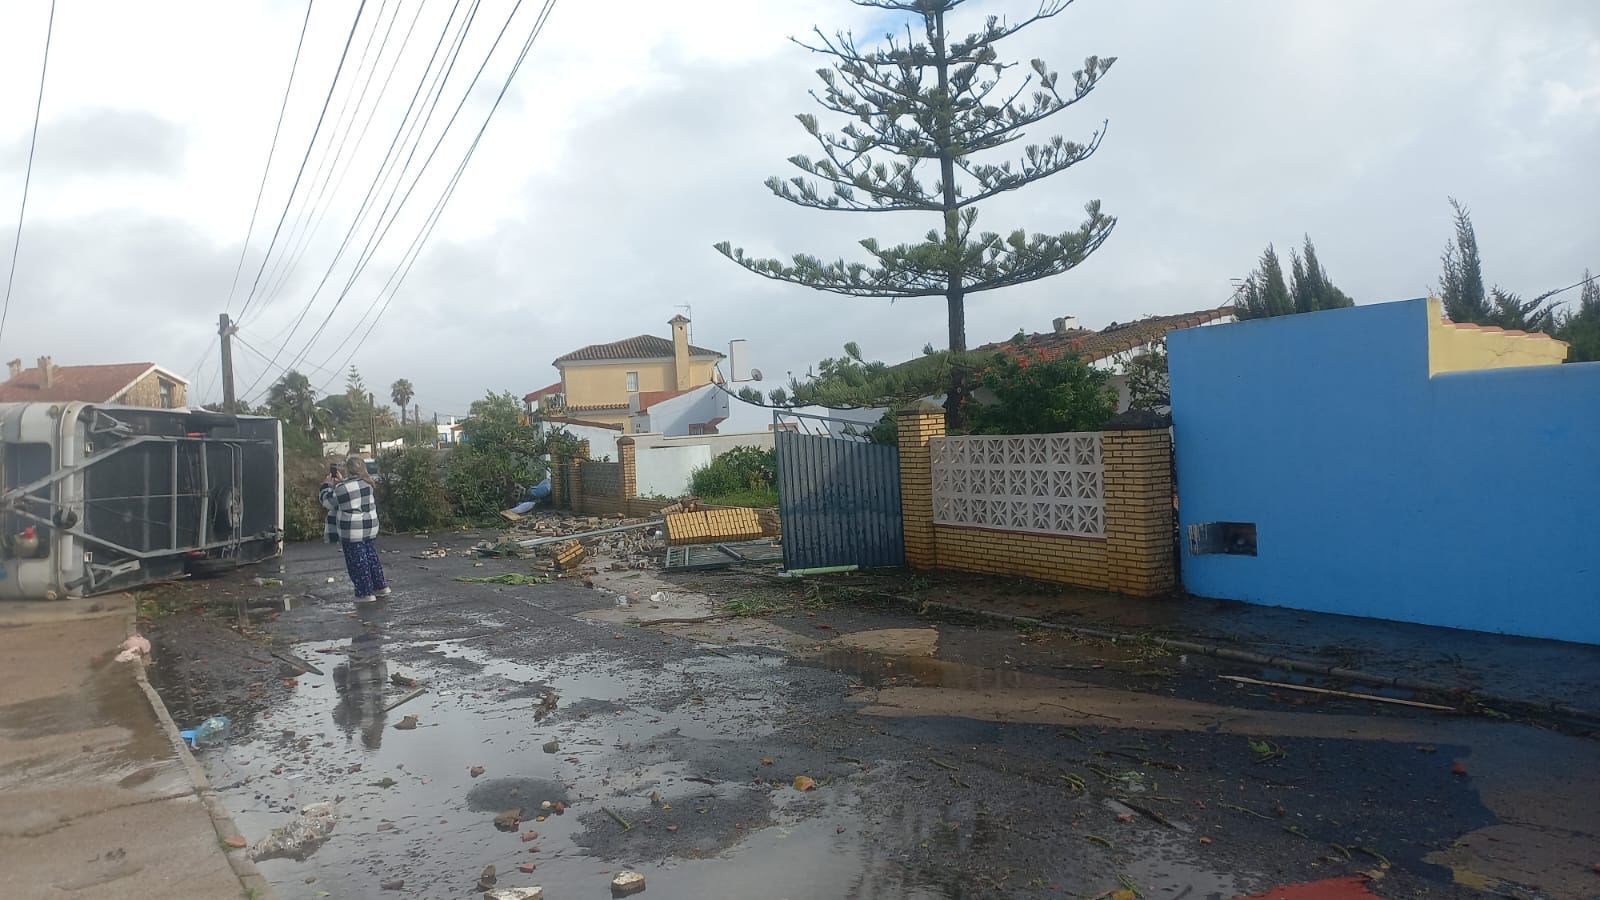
(100, 498)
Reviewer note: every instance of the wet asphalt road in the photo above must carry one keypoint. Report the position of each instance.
(1006, 764)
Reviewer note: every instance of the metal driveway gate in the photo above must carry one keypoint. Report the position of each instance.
(838, 494)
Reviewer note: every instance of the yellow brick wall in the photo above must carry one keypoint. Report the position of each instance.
(916, 485)
(713, 525)
(1134, 557)
(1139, 513)
(1047, 557)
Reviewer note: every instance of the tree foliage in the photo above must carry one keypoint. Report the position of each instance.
(1461, 286)
(401, 393)
(1035, 396)
(293, 400)
(933, 105)
(1580, 327)
(499, 457)
(1265, 293)
(738, 471)
(851, 381)
(1148, 386)
(411, 494)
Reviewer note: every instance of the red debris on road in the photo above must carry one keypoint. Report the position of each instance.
(1351, 888)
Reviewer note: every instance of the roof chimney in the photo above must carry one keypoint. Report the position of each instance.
(680, 353)
(47, 373)
(15, 366)
(1064, 324)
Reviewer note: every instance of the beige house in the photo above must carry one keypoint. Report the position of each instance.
(598, 382)
(125, 384)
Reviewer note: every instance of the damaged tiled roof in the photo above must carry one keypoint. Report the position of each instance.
(89, 384)
(643, 346)
(541, 393)
(568, 420)
(1093, 346)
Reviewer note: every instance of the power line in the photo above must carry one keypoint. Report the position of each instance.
(271, 151)
(349, 39)
(332, 151)
(389, 156)
(1548, 294)
(372, 245)
(369, 249)
(272, 364)
(538, 27)
(337, 181)
(27, 178)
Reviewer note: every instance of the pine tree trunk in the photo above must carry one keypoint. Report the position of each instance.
(955, 301)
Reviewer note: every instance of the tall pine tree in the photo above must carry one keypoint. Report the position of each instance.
(932, 105)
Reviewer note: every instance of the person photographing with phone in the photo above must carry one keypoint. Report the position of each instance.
(352, 507)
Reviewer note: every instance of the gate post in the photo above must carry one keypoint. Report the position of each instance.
(914, 428)
(625, 464)
(1139, 514)
(575, 483)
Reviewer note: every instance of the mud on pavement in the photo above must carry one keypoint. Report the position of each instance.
(941, 759)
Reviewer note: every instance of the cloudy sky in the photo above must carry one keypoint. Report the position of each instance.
(638, 133)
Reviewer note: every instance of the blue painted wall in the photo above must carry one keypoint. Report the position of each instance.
(1468, 499)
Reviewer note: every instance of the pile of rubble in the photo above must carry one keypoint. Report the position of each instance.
(616, 542)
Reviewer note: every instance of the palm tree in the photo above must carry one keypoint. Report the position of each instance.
(401, 393)
(293, 400)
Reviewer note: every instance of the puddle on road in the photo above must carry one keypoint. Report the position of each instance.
(876, 670)
(642, 742)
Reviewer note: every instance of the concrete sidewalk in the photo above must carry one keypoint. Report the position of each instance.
(95, 793)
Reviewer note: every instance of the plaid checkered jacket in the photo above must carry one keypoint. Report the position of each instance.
(352, 509)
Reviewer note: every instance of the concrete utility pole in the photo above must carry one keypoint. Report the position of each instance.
(372, 418)
(226, 329)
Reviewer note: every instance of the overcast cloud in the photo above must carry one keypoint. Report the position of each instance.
(639, 133)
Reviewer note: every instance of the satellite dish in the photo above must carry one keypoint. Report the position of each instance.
(755, 374)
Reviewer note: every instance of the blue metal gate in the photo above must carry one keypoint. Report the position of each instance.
(838, 495)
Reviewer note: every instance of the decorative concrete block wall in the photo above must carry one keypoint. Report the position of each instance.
(1092, 509)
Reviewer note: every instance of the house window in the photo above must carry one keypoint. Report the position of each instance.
(1230, 538)
(166, 394)
(633, 382)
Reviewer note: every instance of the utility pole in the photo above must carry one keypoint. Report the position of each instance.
(435, 431)
(372, 419)
(225, 330)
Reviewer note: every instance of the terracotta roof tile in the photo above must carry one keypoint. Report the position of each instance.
(598, 407)
(1093, 346)
(543, 392)
(643, 346)
(90, 384)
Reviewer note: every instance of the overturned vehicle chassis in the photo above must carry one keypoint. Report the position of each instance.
(117, 497)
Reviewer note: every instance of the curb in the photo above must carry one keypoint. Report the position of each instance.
(251, 882)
